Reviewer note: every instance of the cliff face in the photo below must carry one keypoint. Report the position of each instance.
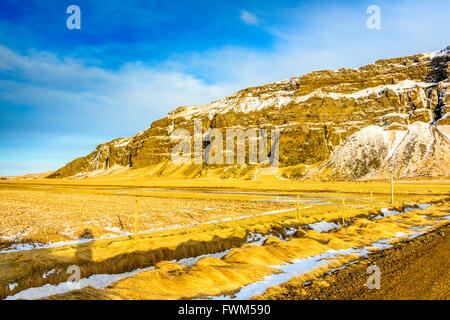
(344, 124)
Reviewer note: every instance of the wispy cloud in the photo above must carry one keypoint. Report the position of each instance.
(100, 99)
(44, 97)
(249, 18)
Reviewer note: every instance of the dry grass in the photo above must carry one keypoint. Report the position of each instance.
(57, 210)
(45, 216)
(141, 178)
(245, 265)
(68, 209)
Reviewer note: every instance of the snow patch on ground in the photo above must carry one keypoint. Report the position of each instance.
(386, 212)
(12, 286)
(45, 275)
(290, 232)
(192, 261)
(32, 246)
(324, 226)
(98, 281)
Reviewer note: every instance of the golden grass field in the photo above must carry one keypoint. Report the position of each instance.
(59, 210)
(45, 216)
(48, 211)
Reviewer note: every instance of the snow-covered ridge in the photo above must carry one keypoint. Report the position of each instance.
(280, 94)
(398, 88)
(250, 103)
(122, 142)
(437, 53)
(373, 151)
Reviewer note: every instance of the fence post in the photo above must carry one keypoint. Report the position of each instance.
(371, 198)
(136, 218)
(392, 189)
(233, 216)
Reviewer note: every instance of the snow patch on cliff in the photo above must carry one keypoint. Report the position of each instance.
(248, 102)
(374, 151)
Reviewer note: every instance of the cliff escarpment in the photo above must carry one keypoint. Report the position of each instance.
(349, 124)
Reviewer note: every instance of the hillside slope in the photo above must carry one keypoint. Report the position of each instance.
(346, 124)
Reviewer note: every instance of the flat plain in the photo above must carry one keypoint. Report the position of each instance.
(115, 225)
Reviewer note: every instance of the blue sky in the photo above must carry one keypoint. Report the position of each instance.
(64, 91)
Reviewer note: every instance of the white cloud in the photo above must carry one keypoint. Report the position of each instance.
(130, 97)
(249, 18)
(70, 98)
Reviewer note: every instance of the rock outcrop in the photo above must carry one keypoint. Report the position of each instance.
(345, 124)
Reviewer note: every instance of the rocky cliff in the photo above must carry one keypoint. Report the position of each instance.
(345, 124)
